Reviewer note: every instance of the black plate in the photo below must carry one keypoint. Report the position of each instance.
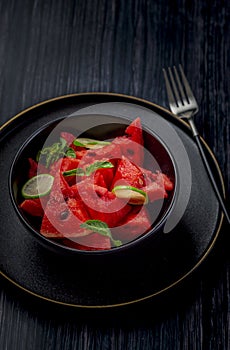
(189, 234)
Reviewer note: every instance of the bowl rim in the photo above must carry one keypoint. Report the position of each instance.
(61, 248)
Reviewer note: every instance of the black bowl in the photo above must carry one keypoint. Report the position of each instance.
(102, 127)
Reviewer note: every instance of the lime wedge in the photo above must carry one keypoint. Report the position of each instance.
(133, 194)
(38, 186)
(90, 143)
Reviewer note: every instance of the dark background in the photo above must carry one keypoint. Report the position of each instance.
(53, 48)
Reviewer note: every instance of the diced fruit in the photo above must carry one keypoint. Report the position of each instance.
(134, 131)
(92, 194)
(68, 137)
(33, 207)
(135, 224)
(130, 149)
(93, 241)
(35, 168)
(131, 144)
(106, 207)
(128, 173)
(63, 219)
(110, 151)
(155, 191)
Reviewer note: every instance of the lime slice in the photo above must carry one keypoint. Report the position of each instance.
(133, 194)
(90, 143)
(38, 186)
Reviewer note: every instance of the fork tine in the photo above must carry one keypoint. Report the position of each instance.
(175, 90)
(186, 84)
(168, 88)
(184, 98)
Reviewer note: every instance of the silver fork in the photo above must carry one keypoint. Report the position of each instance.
(183, 104)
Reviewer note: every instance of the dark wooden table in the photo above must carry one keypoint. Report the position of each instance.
(54, 48)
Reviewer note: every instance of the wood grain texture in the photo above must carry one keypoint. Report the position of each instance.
(52, 48)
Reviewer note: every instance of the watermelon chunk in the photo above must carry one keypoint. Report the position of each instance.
(80, 153)
(135, 224)
(34, 206)
(110, 151)
(131, 144)
(106, 174)
(102, 204)
(127, 173)
(68, 137)
(99, 180)
(134, 131)
(155, 191)
(93, 241)
(63, 219)
(130, 149)
(69, 164)
(157, 185)
(35, 168)
(60, 221)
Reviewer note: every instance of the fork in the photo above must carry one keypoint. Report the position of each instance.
(183, 104)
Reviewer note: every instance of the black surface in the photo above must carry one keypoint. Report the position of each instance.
(52, 48)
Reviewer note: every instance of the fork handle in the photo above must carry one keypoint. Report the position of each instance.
(213, 181)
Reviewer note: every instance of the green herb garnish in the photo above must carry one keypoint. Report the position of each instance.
(97, 165)
(57, 150)
(90, 143)
(102, 228)
(70, 153)
(89, 169)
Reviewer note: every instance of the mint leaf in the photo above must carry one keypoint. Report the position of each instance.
(102, 228)
(49, 155)
(89, 169)
(70, 153)
(72, 172)
(97, 165)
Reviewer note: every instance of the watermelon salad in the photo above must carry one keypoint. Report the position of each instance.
(93, 194)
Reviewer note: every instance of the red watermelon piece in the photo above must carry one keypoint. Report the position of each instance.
(130, 149)
(155, 191)
(134, 131)
(135, 224)
(35, 168)
(68, 137)
(99, 180)
(93, 241)
(63, 219)
(157, 185)
(161, 178)
(108, 152)
(100, 191)
(64, 164)
(34, 206)
(102, 204)
(106, 174)
(131, 144)
(168, 184)
(127, 173)
(69, 164)
(80, 153)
